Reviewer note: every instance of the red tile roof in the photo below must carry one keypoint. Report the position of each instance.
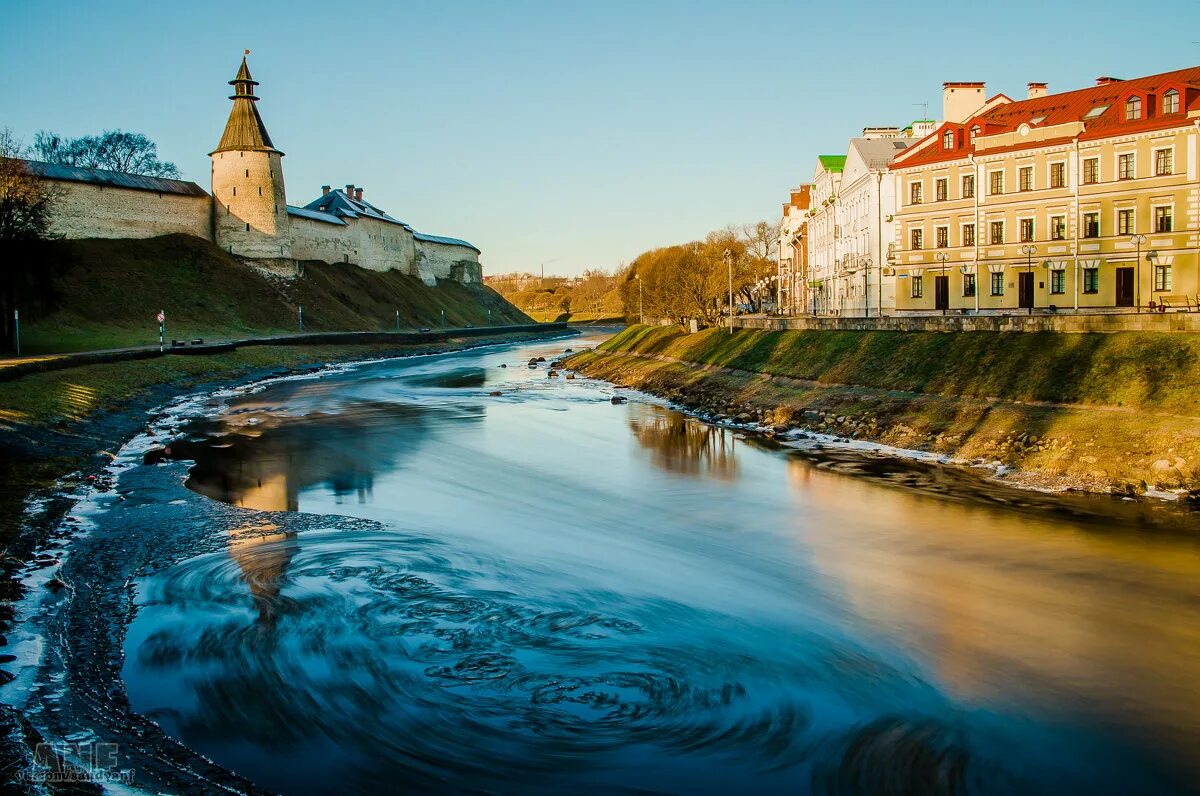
(1069, 106)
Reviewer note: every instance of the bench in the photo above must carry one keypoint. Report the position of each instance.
(1175, 303)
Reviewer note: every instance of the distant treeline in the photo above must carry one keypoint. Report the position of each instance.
(689, 280)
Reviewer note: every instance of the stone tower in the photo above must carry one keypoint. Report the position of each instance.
(250, 217)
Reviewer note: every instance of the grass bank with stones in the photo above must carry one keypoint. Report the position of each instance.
(1101, 413)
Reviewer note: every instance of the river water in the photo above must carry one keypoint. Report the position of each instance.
(542, 591)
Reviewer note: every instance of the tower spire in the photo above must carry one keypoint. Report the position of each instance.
(245, 130)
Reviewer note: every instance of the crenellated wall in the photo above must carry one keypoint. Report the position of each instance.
(101, 211)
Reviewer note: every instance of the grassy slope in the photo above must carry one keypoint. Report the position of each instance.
(108, 292)
(935, 392)
(1157, 371)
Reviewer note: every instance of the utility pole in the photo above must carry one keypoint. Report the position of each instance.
(300, 316)
(641, 312)
(17, 329)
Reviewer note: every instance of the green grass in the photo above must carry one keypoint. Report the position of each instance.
(107, 292)
(1158, 371)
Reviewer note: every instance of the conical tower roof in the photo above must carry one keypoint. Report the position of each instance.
(245, 129)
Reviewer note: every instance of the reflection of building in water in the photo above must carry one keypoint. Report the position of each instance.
(1007, 606)
(264, 460)
(263, 559)
(679, 444)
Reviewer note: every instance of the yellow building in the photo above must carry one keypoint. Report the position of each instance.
(1086, 200)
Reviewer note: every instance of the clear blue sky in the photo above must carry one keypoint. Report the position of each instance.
(578, 134)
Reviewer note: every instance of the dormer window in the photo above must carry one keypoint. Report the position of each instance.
(974, 133)
(1133, 109)
(1170, 102)
(1096, 111)
(948, 139)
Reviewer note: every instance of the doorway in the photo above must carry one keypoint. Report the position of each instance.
(941, 292)
(1124, 287)
(1025, 290)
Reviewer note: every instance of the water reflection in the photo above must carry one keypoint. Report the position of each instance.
(679, 444)
(531, 598)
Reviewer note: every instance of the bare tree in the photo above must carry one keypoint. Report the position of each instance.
(115, 150)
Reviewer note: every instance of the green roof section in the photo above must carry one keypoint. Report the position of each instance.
(834, 163)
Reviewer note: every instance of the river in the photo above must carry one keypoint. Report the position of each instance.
(391, 577)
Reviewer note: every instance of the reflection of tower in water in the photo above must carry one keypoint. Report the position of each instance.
(263, 558)
(679, 444)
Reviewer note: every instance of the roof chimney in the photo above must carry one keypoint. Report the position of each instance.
(1104, 80)
(325, 190)
(961, 100)
(350, 190)
(358, 194)
(1037, 90)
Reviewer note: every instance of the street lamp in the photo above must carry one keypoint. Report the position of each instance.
(1029, 250)
(942, 257)
(641, 312)
(1137, 240)
(728, 257)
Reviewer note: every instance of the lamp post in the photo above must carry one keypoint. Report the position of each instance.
(641, 312)
(942, 258)
(1138, 239)
(1029, 250)
(728, 257)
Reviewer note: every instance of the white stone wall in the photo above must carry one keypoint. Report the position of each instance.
(445, 261)
(365, 242)
(97, 211)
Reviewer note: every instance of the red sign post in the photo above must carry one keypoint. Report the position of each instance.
(162, 331)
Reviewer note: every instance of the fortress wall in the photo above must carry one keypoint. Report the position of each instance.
(445, 261)
(374, 245)
(317, 240)
(98, 211)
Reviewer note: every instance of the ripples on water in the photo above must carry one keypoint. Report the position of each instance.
(546, 592)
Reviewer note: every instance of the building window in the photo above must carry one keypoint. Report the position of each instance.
(948, 139)
(1125, 223)
(998, 284)
(247, 226)
(915, 237)
(1170, 102)
(1091, 225)
(914, 193)
(968, 285)
(1162, 277)
(968, 186)
(917, 287)
(1058, 282)
(1163, 219)
(943, 237)
(1026, 230)
(996, 183)
(974, 133)
(942, 189)
(1164, 162)
(1133, 108)
(235, 190)
(997, 232)
(1058, 175)
(1091, 280)
(1058, 227)
(968, 235)
(260, 190)
(1125, 167)
(1091, 171)
(1025, 178)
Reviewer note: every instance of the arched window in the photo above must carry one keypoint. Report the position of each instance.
(974, 133)
(1133, 108)
(948, 139)
(1170, 103)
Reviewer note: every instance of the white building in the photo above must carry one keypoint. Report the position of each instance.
(850, 225)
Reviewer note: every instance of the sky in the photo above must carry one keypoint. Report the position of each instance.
(568, 135)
